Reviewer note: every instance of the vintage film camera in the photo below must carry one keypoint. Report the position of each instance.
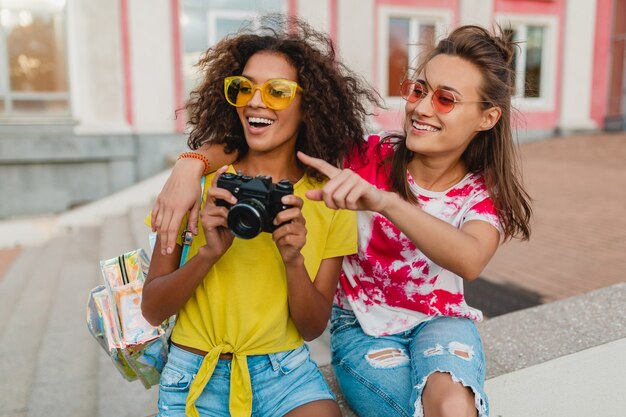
(258, 203)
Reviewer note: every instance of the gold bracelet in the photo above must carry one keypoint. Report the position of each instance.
(196, 155)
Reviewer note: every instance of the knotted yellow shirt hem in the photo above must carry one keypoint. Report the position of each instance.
(240, 401)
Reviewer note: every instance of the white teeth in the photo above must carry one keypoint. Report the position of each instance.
(260, 120)
(424, 127)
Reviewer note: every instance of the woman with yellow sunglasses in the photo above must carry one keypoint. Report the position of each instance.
(246, 304)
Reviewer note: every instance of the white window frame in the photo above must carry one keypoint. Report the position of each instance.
(440, 18)
(253, 16)
(214, 15)
(546, 102)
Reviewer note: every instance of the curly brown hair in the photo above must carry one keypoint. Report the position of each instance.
(335, 102)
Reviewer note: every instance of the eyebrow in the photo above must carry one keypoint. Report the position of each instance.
(248, 77)
(442, 87)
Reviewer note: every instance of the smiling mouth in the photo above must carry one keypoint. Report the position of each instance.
(259, 122)
(427, 128)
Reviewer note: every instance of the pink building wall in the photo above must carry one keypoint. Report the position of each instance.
(530, 120)
(540, 120)
(601, 60)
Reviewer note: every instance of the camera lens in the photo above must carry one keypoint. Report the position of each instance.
(246, 218)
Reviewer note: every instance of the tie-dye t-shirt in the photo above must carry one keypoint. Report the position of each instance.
(389, 284)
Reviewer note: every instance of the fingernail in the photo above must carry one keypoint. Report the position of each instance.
(169, 251)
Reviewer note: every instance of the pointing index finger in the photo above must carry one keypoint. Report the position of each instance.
(319, 164)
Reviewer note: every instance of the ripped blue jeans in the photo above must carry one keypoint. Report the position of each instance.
(385, 376)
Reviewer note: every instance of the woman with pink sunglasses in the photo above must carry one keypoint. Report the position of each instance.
(434, 202)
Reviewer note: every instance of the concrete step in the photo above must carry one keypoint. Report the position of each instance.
(140, 231)
(320, 348)
(116, 396)
(65, 382)
(116, 237)
(15, 279)
(23, 332)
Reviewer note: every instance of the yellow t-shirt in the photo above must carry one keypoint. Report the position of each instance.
(241, 305)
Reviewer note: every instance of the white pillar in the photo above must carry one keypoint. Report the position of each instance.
(476, 12)
(152, 66)
(355, 23)
(317, 13)
(577, 68)
(96, 67)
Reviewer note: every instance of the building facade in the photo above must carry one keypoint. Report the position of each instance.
(89, 89)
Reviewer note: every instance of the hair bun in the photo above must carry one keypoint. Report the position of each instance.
(503, 40)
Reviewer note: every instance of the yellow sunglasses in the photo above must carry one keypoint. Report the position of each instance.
(276, 93)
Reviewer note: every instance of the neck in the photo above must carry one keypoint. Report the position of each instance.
(277, 166)
(436, 175)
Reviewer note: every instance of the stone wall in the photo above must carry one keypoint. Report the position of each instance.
(49, 170)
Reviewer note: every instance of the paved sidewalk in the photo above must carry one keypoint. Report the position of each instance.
(578, 240)
(7, 257)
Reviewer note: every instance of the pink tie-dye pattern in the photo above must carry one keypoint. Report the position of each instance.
(390, 283)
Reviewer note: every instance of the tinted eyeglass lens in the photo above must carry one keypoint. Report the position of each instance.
(411, 91)
(238, 91)
(443, 101)
(277, 94)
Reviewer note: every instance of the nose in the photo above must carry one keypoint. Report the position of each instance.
(424, 106)
(257, 99)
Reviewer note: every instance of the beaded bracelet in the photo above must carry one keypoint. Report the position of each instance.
(196, 155)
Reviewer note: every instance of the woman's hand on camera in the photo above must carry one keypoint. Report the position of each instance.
(290, 236)
(214, 220)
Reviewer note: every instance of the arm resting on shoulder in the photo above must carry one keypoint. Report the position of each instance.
(181, 194)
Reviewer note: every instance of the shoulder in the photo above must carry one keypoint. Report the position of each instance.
(478, 201)
(374, 150)
(470, 187)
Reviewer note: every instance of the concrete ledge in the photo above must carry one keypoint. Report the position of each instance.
(535, 335)
(565, 358)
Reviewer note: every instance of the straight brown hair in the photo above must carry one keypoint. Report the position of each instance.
(493, 152)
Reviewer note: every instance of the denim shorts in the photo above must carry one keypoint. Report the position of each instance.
(280, 382)
(392, 385)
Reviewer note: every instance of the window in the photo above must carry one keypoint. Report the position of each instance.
(534, 62)
(33, 63)
(527, 60)
(405, 34)
(205, 22)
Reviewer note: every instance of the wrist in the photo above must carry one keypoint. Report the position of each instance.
(388, 201)
(206, 254)
(294, 262)
(194, 161)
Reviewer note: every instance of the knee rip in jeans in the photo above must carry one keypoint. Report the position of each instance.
(455, 348)
(387, 358)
